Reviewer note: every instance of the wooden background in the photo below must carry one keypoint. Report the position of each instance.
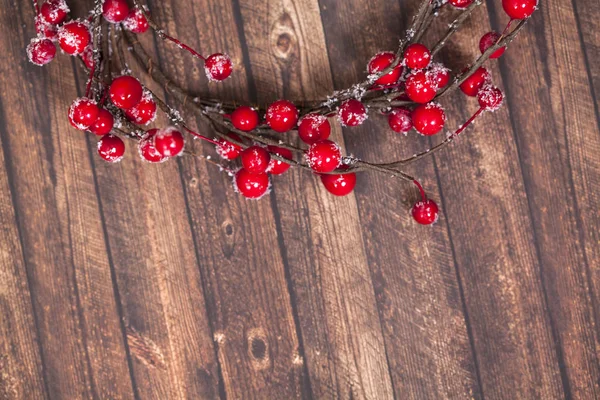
(159, 282)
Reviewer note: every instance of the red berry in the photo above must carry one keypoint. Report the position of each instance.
(420, 88)
(45, 29)
(218, 67)
(428, 118)
(169, 142)
(251, 186)
(490, 98)
(277, 167)
(88, 57)
(255, 159)
(54, 11)
(324, 156)
(519, 9)
(282, 116)
(143, 112)
(460, 3)
(244, 118)
(228, 150)
(111, 148)
(41, 51)
(400, 120)
(339, 184)
(83, 113)
(473, 83)
(352, 113)
(425, 212)
(126, 92)
(313, 127)
(147, 150)
(487, 41)
(115, 11)
(74, 37)
(382, 61)
(417, 56)
(439, 74)
(104, 123)
(136, 21)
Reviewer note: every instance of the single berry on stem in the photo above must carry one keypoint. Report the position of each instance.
(147, 150)
(251, 186)
(490, 98)
(143, 112)
(255, 159)
(136, 21)
(439, 74)
(460, 3)
(111, 148)
(227, 149)
(83, 113)
(352, 113)
(41, 51)
(488, 40)
(429, 118)
(417, 56)
(277, 167)
(425, 211)
(313, 127)
(400, 120)
(519, 9)
(54, 11)
(420, 88)
(473, 83)
(218, 67)
(126, 92)
(169, 142)
(74, 37)
(382, 61)
(324, 156)
(244, 118)
(339, 184)
(104, 123)
(282, 116)
(115, 11)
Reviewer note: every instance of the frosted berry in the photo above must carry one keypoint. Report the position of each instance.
(143, 112)
(218, 67)
(324, 156)
(41, 51)
(255, 159)
(54, 11)
(490, 98)
(487, 41)
(136, 21)
(251, 186)
(169, 142)
(227, 149)
(147, 150)
(519, 9)
(339, 184)
(126, 92)
(352, 113)
(103, 124)
(420, 88)
(313, 127)
(115, 11)
(83, 113)
(277, 167)
(45, 29)
(244, 118)
(460, 3)
(74, 37)
(429, 118)
(417, 56)
(400, 120)
(425, 212)
(382, 61)
(88, 57)
(439, 74)
(473, 83)
(282, 116)
(111, 148)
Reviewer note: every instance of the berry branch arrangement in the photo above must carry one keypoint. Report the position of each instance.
(405, 86)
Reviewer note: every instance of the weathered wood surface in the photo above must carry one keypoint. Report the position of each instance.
(159, 282)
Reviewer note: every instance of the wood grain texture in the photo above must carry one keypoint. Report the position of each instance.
(159, 282)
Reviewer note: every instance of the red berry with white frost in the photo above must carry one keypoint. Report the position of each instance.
(400, 120)
(83, 113)
(115, 11)
(352, 113)
(324, 156)
(490, 98)
(251, 186)
(282, 116)
(519, 9)
(382, 61)
(88, 57)
(439, 74)
(136, 21)
(339, 184)
(147, 150)
(460, 3)
(417, 56)
(277, 167)
(125, 92)
(227, 149)
(420, 88)
(313, 127)
(54, 11)
(111, 148)
(169, 142)
(103, 124)
(475, 81)
(41, 51)
(428, 119)
(143, 112)
(74, 37)
(426, 212)
(218, 67)
(488, 40)
(255, 159)
(244, 118)
(45, 29)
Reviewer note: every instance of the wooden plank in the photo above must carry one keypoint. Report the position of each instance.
(236, 240)
(586, 17)
(412, 267)
(58, 214)
(559, 143)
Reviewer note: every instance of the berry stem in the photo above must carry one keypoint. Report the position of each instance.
(468, 122)
(199, 136)
(183, 46)
(421, 190)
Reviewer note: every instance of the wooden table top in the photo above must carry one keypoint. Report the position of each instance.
(159, 282)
